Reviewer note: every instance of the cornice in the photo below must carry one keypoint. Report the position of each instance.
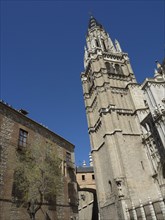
(151, 81)
(98, 148)
(132, 134)
(112, 133)
(98, 88)
(119, 90)
(133, 85)
(111, 108)
(95, 127)
(22, 119)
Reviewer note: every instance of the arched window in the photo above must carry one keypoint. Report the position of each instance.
(118, 69)
(97, 43)
(109, 67)
(103, 44)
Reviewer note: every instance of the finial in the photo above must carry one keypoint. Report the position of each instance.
(158, 64)
(156, 74)
(117, 44)
(155, 71)
(84, 163)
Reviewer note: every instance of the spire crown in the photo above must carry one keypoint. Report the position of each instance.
(93, 23)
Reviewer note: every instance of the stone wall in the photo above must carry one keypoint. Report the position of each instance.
(11, 121)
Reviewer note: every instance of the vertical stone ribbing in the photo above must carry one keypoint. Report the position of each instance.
(134, 212)
(127, 212)
(142, 211)
(152, 211)
(162, 205)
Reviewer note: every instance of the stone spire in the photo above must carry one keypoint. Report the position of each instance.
(93, 23)
(97, 40)
(117, 44)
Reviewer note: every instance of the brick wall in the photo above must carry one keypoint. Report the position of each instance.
(11, 121)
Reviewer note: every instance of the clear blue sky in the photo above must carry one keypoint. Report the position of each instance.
(42, 49)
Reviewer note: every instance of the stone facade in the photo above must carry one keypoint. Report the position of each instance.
(88, 208)
(12, 122)
(116, 108)
(154, 123)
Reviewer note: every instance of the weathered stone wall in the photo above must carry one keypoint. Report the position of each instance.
(86, 200)
(11, 121)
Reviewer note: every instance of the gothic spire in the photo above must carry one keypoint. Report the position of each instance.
(98, 40)
(93, 23)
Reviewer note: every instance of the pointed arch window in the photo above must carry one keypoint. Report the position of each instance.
(109, 67)
(97, 43)
(118, 69)
(103, 44)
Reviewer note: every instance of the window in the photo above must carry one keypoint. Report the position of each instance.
(118, 69)
(68, 157)
(109, 67)
(83, 177)
(22, 142)
(103, 44)
(93, 176)
(97, 44)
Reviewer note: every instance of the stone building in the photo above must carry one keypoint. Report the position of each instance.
(126, 130)
(17, 131)
(154, 123)
(88, 208)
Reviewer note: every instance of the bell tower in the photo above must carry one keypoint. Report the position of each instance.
(115, 106)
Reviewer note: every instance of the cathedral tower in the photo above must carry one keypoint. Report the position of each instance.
(115, 107)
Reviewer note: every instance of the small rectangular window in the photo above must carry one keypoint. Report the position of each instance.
(93, 176)
(68, 157)
(22, 142)
(83, 177)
